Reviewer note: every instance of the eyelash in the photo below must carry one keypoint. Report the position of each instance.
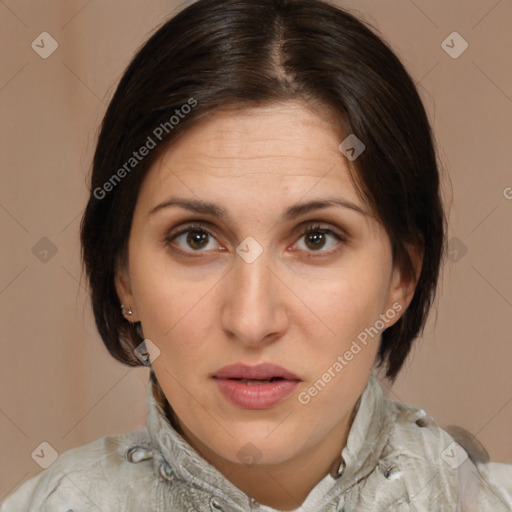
(311, 228)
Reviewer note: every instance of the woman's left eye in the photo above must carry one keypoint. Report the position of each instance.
(198, 238)
(315, 238)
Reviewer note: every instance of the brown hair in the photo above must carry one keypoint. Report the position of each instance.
(220, 53)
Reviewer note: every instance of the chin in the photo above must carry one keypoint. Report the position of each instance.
(249, 448)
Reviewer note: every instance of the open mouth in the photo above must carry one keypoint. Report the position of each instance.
(263, 372)
(255, 387)
(253, 382)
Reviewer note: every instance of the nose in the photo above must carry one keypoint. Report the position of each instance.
(254, 310)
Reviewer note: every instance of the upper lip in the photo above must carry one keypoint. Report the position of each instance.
(261, 371)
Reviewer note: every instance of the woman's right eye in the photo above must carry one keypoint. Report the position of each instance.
(191, 239)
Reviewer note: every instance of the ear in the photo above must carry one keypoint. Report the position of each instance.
(402, 286)
(124, 293)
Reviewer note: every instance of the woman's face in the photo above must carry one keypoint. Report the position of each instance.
(238, 282)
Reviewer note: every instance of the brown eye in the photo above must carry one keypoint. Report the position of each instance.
(197, 239)
(315, 241)
(318, 237)
(191, 239)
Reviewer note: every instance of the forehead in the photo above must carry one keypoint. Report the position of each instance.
(255, 167)
(256, 161)
(290, 130)
(279, 142)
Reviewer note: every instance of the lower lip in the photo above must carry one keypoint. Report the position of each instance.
(257, 396)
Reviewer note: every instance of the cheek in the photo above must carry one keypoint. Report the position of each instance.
(350, 301)
(341, 360)
(166, 303)
(180, 316)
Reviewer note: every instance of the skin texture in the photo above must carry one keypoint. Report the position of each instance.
(300, 304)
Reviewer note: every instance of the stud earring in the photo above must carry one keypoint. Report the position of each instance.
(129, 312)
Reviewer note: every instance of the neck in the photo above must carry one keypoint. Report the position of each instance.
(283, 486)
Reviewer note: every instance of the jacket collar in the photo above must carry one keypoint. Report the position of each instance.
(174, 457)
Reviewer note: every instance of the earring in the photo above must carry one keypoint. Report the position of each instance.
(129, 312)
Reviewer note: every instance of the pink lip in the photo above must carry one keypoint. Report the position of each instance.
(255, 396)
(259, 372)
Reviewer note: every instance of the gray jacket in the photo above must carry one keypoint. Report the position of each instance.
(396, 459)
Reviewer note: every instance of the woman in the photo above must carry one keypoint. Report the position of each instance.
(264, 229)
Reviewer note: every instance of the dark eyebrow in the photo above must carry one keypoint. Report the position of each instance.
(317, 204)
(218, 211)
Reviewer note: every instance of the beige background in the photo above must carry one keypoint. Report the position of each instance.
(59, 385)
